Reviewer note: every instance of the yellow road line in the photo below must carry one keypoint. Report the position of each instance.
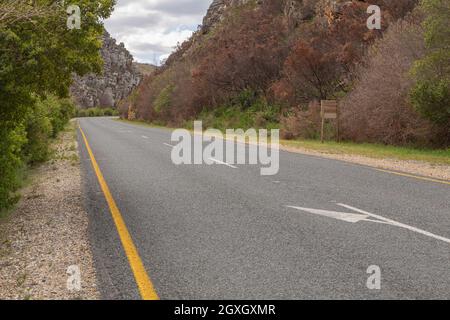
(413, 176)
(143, 281)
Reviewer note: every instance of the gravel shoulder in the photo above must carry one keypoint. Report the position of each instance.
(48, 232)
(419, 168)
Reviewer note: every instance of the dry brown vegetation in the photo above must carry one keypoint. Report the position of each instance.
(262, 60)
(377, 109)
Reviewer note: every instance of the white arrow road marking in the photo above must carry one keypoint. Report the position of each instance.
(145, 137)
(363, 216)
(397, 224)
(347, 217)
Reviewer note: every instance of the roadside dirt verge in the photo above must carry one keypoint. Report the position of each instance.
(419, 168)
(47, 232)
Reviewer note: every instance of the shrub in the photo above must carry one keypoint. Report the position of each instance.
(378, 109)
(33, 64)
(432, 100)
(38, 131)
(96, 112)
(93, 112)
(44, 121)
(60, 112)
(431, 93)
(162, 101)
(109, 112)
(28, 142)
(81, 113)
(11, 142)
(243, 112)
(302, 122)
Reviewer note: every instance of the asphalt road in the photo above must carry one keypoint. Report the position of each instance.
(217, 232)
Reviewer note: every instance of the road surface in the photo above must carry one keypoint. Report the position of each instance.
(222, 232)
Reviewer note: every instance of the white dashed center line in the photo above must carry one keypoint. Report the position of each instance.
(224, 163)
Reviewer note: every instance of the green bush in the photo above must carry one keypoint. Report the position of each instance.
(246, 99)
(28, 143)
(81, 113)
(96, 112)
(245, 111)
(163, 100)
(432, 100)
(431, 93)
(11, 163)
(44, 121)
(60, 112)
(33, 64)
(38, 131)
(92, 112)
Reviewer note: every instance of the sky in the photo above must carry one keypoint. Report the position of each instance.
(150, 29)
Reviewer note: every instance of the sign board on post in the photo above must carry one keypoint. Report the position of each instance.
(329, 110)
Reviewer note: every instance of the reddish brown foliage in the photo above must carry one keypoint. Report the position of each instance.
(378, 109)
(291, 63)
(321, 62)
(246, 53)
(302, 123)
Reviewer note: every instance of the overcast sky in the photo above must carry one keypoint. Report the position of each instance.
(150, 29)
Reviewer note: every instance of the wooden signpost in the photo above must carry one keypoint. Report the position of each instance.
(329, 110)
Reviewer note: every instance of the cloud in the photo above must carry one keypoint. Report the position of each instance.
(150, 29)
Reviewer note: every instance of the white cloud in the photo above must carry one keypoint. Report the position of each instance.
(150, 29)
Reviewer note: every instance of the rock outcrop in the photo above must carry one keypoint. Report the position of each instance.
(295, 11)
(217, 10)
(120, 76)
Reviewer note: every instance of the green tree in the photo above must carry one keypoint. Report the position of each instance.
(38, 55)
(163, 100)
(431, 94)
(11, 144)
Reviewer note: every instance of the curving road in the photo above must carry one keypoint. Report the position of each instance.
(218, 232)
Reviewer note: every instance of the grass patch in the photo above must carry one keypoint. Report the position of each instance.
(4, 214)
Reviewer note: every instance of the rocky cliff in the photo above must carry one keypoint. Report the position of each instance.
(120, 76)
(294, 10)
(217, 10)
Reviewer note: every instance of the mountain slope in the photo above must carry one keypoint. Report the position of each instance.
(266, 63)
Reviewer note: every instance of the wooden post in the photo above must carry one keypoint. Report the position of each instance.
(329, 110)
(322, 131)
(338, 124)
